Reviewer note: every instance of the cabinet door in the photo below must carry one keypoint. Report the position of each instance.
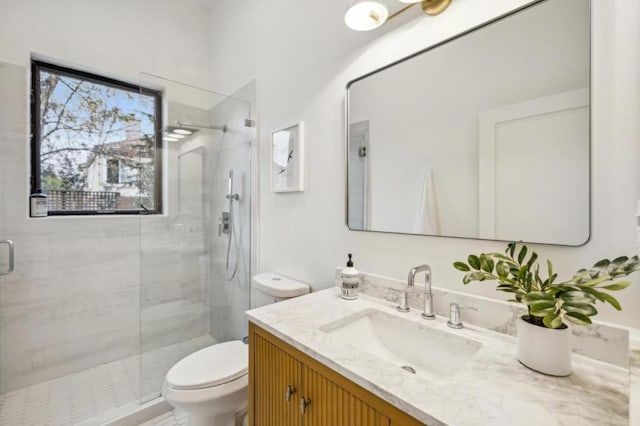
(276, 385)
(329, 404)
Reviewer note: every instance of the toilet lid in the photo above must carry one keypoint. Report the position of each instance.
(211, 366)
(278, 286)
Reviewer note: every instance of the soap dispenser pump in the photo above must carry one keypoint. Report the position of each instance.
(350, 281)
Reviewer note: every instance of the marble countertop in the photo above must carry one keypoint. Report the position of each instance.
(491, 388)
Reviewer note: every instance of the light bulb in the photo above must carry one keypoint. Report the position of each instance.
(409, 1)
(366, 15)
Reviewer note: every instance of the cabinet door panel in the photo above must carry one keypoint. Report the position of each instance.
(332, 405)
(274, 370)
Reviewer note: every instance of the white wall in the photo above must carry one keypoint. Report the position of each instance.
(74, 299)
(119, 37)
(304, 56)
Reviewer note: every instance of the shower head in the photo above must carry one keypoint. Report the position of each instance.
(178, 133)
(230, 194)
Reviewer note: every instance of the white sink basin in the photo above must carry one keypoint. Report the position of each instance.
(429, 352)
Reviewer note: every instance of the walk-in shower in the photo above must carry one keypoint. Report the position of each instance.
(98, 308)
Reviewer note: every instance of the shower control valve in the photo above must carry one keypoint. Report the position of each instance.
(224, 227)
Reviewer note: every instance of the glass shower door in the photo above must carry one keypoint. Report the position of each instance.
(13, 201)
(4, 254)
(185, 302)
(6, 245)
(69, 311)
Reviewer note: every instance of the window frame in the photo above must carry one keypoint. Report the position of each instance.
(35, 172)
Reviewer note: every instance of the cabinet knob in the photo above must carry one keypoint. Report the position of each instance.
(290, 391)
(304, 403)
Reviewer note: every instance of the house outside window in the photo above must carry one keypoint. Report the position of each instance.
(96, 143)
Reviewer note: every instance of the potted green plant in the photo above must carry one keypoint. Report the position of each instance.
(544, 337)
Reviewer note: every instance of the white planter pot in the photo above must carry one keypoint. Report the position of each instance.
(544, 350)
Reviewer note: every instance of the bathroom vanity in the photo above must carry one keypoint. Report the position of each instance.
(321, 360)
(289, 388)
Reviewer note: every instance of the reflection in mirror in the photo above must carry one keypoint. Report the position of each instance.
(484, 136)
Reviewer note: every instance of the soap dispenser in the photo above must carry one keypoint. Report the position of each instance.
(350, 281)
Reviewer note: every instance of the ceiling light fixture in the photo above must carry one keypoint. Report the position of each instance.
(434, 7)
(369, 15)
(170, 139)
(175, 135)
(365, 15)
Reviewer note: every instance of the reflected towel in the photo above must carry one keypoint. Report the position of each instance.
(427, 221)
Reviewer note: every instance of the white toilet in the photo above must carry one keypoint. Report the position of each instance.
(210, 385)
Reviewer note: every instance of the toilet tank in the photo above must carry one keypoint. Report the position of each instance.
(270, 288)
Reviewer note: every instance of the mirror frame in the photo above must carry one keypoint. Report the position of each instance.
(439, 44)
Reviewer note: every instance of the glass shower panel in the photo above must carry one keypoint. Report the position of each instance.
(231, 255)
(185, 301)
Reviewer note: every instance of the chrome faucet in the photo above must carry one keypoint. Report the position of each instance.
(428, 296)
(454, 315)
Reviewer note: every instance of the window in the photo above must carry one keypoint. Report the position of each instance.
(96, 143)
(113, 171)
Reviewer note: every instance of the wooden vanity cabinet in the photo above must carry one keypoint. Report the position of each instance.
(289, 388)
(274, 381)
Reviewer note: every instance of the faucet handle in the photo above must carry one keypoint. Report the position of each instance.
(404, 303)
(454, 314)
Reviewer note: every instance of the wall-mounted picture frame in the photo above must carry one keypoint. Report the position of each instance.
(287, 159)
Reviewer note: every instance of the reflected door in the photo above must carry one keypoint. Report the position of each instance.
(545, 131)
(358, 175)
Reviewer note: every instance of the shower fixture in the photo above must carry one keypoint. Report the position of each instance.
(227, 226)
(179, 130)
(177, 133)
(192, 126)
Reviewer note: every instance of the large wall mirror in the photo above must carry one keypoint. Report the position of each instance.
(483, 136)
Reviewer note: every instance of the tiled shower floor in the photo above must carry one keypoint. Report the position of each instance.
(79, 396)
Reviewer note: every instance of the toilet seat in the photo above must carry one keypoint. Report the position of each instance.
(212, 366)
